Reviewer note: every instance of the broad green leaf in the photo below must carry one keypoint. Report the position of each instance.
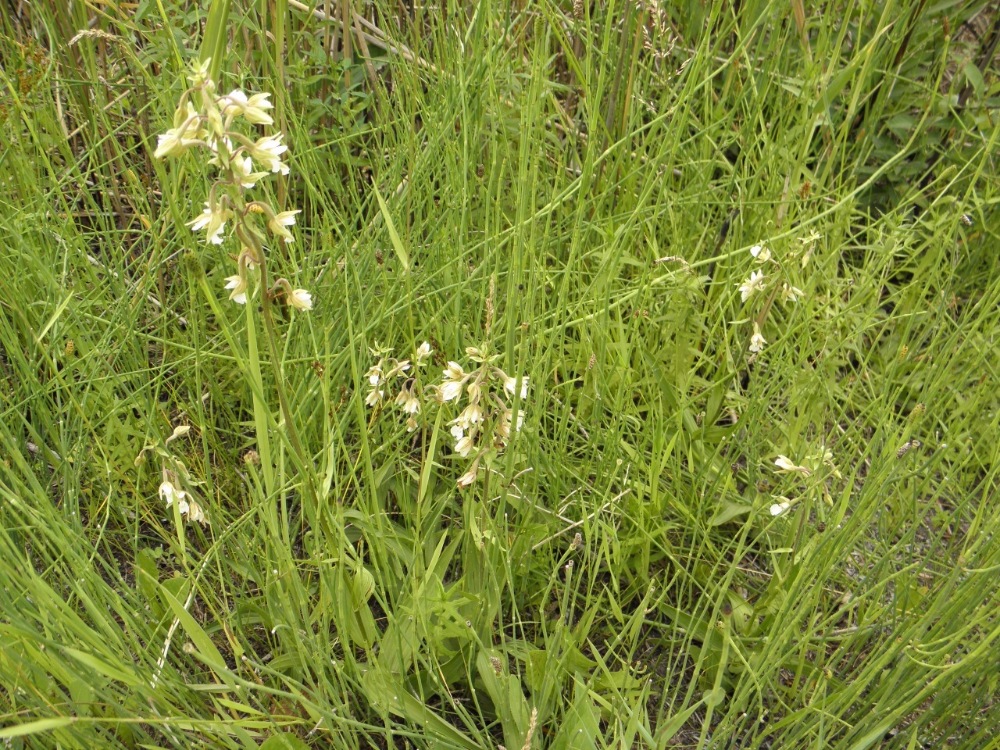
(728, 510)
(714, 697)
(507, 695)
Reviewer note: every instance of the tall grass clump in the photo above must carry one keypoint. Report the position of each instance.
(643, 394)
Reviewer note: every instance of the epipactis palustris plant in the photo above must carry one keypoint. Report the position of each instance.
(762, 283)
(207, 121)
(176, 485)
(217, 126)
(483, 427)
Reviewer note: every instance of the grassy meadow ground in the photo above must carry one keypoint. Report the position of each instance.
(754, 499)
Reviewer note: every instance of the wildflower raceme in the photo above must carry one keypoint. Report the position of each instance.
(388, 374)
(176, 480)
(769, 286)
(486, 394)
(484, 424)
(209, 122)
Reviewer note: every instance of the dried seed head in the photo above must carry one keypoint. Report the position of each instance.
(532, 723)
(491, 304)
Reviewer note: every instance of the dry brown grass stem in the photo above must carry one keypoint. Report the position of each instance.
(377, 37)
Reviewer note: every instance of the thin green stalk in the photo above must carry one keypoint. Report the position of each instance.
(303, 461)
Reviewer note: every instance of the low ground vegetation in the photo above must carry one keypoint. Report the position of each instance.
(558, 374)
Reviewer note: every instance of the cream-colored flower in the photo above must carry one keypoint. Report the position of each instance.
(474, 391)
(503, 426)
(374, 397)
(510, 385)
(791, 293)
(469, 476)
(423, 352)
(239, 289)
(278, 225)
(171, 495)
(451, 389)
(179, 432)
(185, 506)
(411, 424)
(186, 132)
(374, 374)
(242, 170)
(808, 245)
(761, 252)
(779, 508)
(268, 150)
(787, 466)
(213, 220)
(757, 341)
(811, 239)
(408, 400)
(826, 459)
(454, 371)
(459, 426)
(464, 446)
(300, 299)
(472, 414)
(398, 369)
(253, 108)
(195, 513)
(171, 143)
(754, 284)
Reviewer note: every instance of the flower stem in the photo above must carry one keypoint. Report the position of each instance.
(271, 334)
